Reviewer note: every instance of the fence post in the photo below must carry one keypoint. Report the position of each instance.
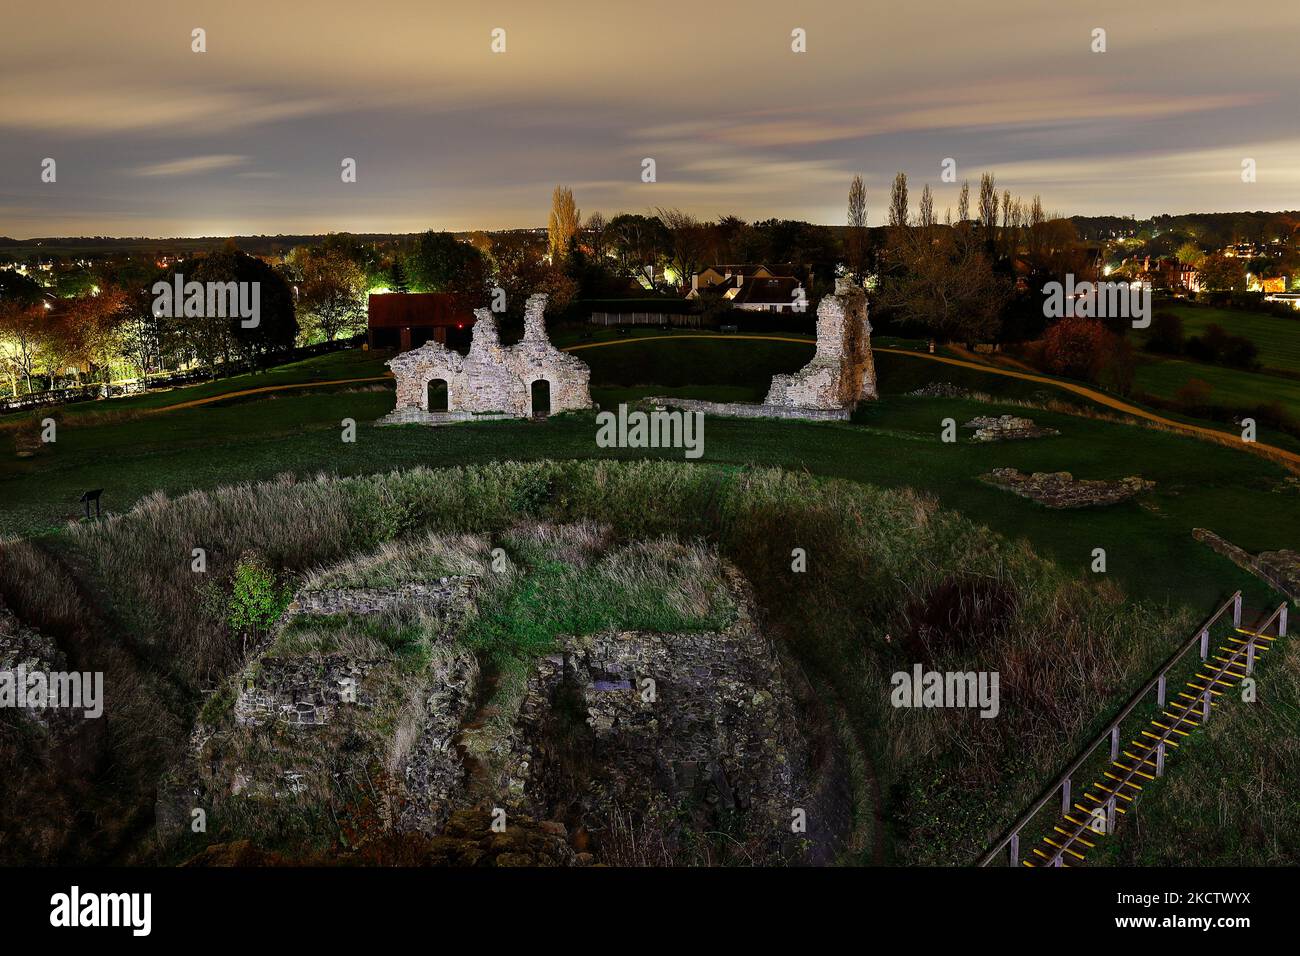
(1205, 643)
(1065, 797)
(1110, 814)
(1205, 710)
(1250, 655)
(1281, 622)
(1160, 759)
(1160, 691)
(1236, 609)
(1114, 743)
(1014, 855)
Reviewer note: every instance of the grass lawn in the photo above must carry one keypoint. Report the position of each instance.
(893, 443)
(1163, 377)
(1277, 339)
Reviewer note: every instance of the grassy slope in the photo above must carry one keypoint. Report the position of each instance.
(875, 560)
(895, 444)
(1232, 387)
(1277, 339)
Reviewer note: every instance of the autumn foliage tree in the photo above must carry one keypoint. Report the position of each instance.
(562, 226)
(1077, 348)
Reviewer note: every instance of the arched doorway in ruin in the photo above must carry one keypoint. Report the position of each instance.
(436, 396)
(541, 398)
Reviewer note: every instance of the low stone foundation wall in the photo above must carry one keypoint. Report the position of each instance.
(411, 415)
(302, 691)
(1060, 489)
(434, 595)
(1279, 569)
(743, 410)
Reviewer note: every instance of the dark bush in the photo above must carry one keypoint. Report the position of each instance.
(1166, 337)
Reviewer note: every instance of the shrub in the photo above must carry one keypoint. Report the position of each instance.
(1194, 393)
(1078, 348)
(258, 599)
(1166, 336)
(1220, 348)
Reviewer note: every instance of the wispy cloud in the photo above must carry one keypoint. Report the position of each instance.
(191, 165)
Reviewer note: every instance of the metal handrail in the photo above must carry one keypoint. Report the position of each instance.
(1201, 634)
(1248, 649)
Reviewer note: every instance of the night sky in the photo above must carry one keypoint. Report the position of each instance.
(152, 139)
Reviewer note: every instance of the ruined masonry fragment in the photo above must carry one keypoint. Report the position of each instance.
(491, 379)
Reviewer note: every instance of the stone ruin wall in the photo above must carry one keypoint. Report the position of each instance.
(491, 378)
(842, 372)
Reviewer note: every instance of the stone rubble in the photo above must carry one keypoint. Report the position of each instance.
(1060, 489)
(1007, 428)
(718, 739)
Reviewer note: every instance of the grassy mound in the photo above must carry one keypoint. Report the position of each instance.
(1066, 650)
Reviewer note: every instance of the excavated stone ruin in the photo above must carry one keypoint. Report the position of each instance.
(618, 738)
(491, 380)
(1060, 489)
(842, 372)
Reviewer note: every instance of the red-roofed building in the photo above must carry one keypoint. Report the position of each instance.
(406, 320)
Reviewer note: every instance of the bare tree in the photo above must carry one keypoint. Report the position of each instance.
(563, 223)
(926, 217)
(687, 241)
(857, 238)
(898, 201)
(942, 281)
(963, 203)
(988, 206)
(596, 227)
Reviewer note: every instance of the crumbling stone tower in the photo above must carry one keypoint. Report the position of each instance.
(842, 372)
(491, 379)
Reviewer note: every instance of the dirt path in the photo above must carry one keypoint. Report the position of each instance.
(1101, 398)
(270, 388)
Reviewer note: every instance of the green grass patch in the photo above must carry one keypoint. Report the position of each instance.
(1277, 339)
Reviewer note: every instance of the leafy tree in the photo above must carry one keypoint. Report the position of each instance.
(1220, 273)
(333, 294)
(213, 338)
(520, 270)
(1190, 254)
(637, 241)
(18, 288)
(257, 598)
(441, 263)
(1077, 348)
(939, 279)
(686, 243)
(397, 281)
(21, 333)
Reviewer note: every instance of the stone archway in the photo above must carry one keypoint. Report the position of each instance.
(437, 395)
(540, 398)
